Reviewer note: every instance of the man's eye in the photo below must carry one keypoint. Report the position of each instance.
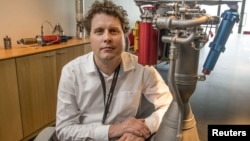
(98, 31)
(113, 31)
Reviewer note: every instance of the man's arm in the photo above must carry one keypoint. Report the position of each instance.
(131, 125)
(156, 92)
(130, 137)
(69, 117)
(68, 124)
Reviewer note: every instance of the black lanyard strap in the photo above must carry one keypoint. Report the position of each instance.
(111, 90)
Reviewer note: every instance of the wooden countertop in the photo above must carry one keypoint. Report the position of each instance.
(22, 50)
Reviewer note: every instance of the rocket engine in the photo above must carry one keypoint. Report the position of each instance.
(179, 24)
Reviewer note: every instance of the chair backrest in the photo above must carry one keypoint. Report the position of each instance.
(46, 134)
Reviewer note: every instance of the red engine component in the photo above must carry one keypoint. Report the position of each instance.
(51, 39)
(148, 41)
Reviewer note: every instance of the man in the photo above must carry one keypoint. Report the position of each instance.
(100, 93)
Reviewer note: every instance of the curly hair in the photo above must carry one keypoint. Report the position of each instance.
(109, 8)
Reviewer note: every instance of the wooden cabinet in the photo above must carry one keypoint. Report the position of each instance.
(37, 81)
(63, 56)
(10, 117)
(28, 91)
(87, 48)
(38, 76)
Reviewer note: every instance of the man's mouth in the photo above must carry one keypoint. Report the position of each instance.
(107, 48)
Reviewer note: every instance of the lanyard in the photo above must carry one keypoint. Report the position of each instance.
(111, 91)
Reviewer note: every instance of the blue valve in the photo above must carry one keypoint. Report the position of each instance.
(218, 45)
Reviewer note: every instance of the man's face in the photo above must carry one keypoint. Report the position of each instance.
(106, 37)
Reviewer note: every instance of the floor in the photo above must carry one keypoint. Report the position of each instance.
(224, 97)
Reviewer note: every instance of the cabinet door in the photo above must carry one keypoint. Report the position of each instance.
(37, 89)
(65, 55)
(10, 117)
(87, 48)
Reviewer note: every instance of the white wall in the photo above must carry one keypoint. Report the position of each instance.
(132, 10)
(129, 5)
(23, 18)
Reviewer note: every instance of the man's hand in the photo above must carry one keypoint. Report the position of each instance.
(132, 125)
(130, 137)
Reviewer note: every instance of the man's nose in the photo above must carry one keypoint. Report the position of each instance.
(107, 37)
